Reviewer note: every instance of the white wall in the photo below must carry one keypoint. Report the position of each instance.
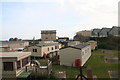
(38, 53)
(42, 50)
(69, 55)
(86, 53)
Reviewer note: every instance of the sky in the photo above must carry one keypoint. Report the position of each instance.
(25, 19)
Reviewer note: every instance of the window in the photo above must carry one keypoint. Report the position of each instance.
(56, 47)
(52, 48)
(25, 61)
(88, 49)
(18, 65)
(48, 49)
(34, 50)
(8, 66)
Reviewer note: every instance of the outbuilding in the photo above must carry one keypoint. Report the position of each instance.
(71, 54)
(14, 63)
(49, 49)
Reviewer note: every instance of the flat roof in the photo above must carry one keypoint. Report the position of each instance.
(6, 42)
(14, 54)
(46, 44)
(78, 46)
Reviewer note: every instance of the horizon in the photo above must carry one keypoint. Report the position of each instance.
(26, 18)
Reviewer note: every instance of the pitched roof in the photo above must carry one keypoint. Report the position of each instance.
(96, 30)
(105, 30)
(115, 27)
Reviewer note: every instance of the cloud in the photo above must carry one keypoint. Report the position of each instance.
(91, 14)
(96, 13)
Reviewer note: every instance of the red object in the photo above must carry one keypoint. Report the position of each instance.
(92, 41)
(78, 63)
(15, 39)
(44, 55)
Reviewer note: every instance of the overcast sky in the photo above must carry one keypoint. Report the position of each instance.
(26, 18)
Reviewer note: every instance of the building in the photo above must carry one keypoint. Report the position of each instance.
(62, 39)
(85, 33)
(4, 49)
(93, 45)
(69, 43)
(14, 63)
(104, 32)
(70, 54)
(48, 35)
(15, 45)
(72, 43)
(49, 49)
(95, 32)
(114, 31)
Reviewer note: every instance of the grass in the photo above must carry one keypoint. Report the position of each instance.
(43, 62)
(99, 67)
(96, 62)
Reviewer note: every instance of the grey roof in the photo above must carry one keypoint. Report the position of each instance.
(45, 44)
(79, 46)
(115, 27)
(95, 31)
(115, 30)
(104, 31)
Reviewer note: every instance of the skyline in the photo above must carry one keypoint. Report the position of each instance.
(26, 18)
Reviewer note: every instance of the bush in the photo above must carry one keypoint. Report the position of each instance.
(110, 42)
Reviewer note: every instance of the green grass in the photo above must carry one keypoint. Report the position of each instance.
(96, 62)
(99, 67)
(43, 62)
(70, 71)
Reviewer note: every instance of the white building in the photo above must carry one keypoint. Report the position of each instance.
(15, 45)
(13, 63)
(93, 45)
(50, 49)
(4, 49)
(69, 55)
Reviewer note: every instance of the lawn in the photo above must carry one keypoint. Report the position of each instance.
(96, 62)
(99, 67)
(43, 62)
